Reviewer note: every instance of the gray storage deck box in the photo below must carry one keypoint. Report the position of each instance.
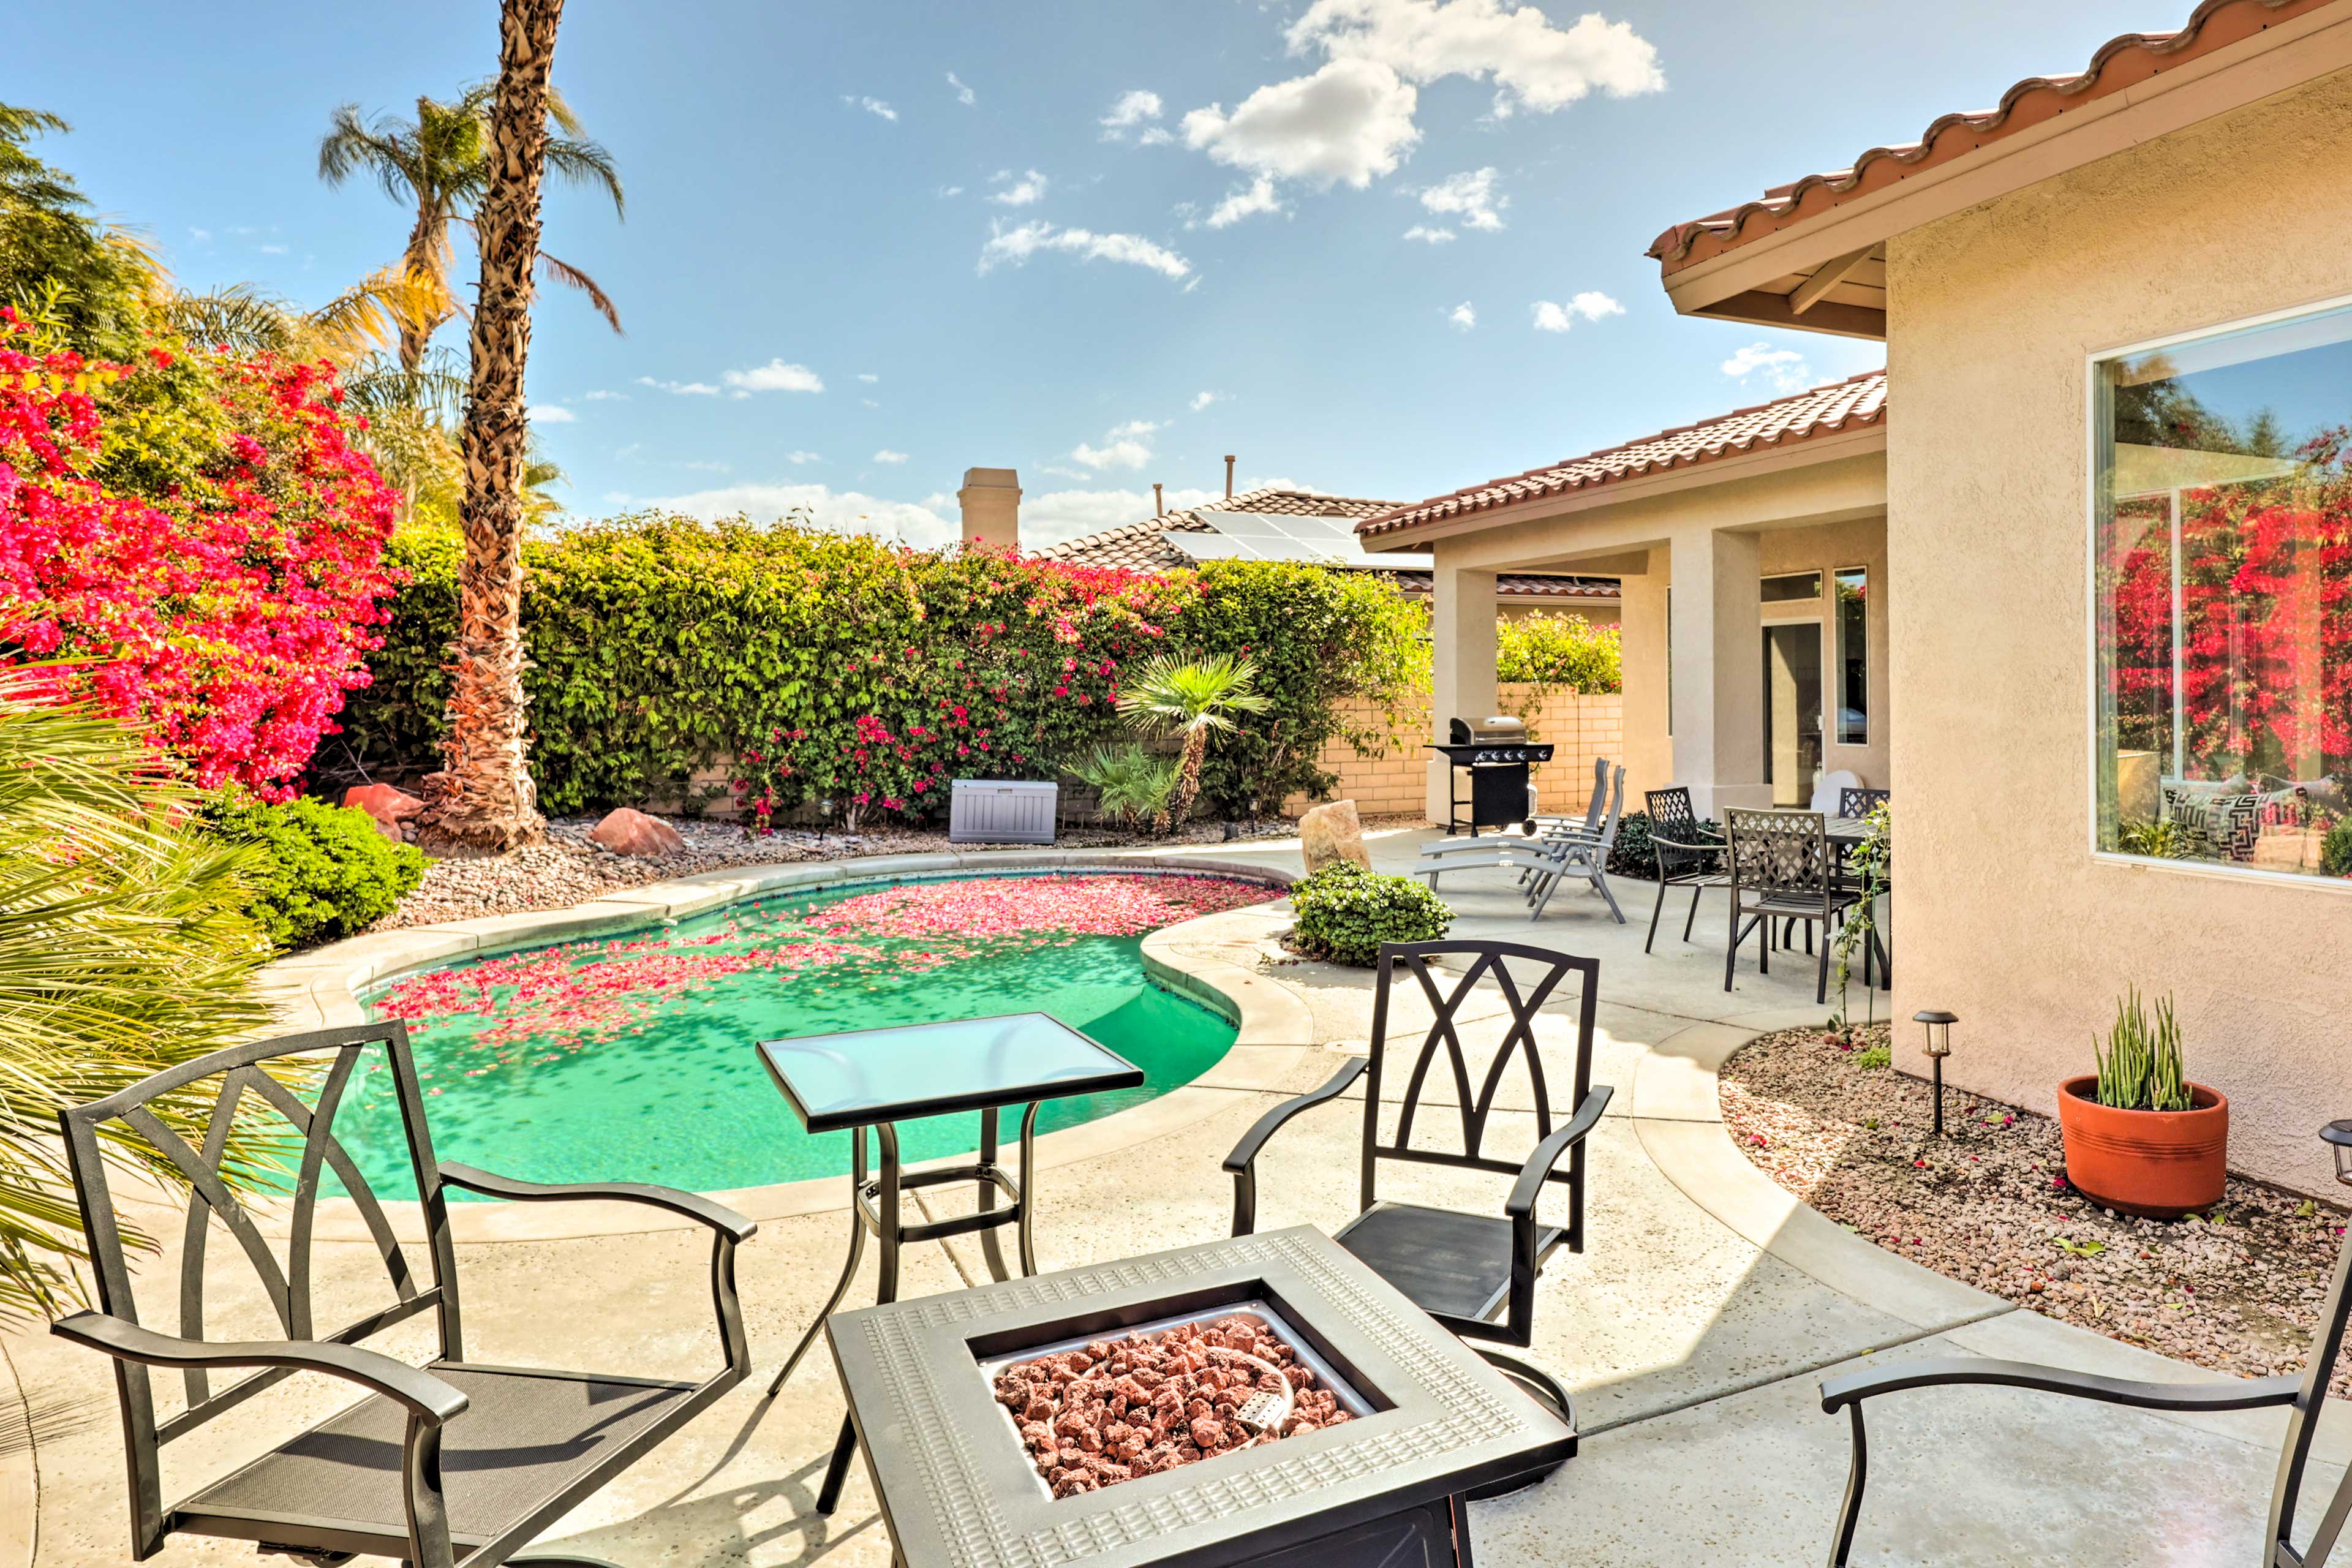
(1002, 811)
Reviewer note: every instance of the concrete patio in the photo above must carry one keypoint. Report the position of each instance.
(1694, 1329)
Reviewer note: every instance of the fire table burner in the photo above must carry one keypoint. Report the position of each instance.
(957, 1490)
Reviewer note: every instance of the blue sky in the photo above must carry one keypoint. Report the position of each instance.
(1376, 247)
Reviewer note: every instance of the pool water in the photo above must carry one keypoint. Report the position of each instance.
(630, 1059)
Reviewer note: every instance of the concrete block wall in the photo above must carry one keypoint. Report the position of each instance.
(1581, 726)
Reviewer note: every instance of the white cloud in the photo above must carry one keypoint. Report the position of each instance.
(1533, 64)
(1203, 399)
(774, 377)
(1783, 370)
(1112, 455)
(1462, 316)
(601, 395)
(1350, 121)
(1133, 427)
(798, 457)
(680, 388)
(871, 105)
(964, 95)
(1434, 235)
(707, 466)
(1018, 245)
(1471, 197)
(201, 236)
(1133, 108)
(1591, 305)
(549, 414)
(887, 455)
(273, 250)
(869, 403)
(1258, 197)
(946, 191)
(868, 377)
(1020, 193)
(819, 506)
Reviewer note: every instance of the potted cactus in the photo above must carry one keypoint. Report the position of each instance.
(2139, 1136)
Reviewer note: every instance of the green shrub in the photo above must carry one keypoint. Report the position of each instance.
(1873, 1057)
(1632, 856)
(1559, 650)
(318, 871)
(1130, 784)
(1344, 912)
(2335, 850)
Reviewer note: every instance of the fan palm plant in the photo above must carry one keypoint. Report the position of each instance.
(1192, 699)
(1130, 783)
(440, 163)
(122, 952)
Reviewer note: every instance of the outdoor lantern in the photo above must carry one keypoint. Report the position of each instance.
(2338, 1135)
(1939, 1046)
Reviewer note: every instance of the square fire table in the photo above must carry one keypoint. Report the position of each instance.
(878, 1078)
(957, 1490)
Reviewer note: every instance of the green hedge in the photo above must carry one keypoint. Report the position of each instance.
(1346, 912)
(318, 872)
(836, 667)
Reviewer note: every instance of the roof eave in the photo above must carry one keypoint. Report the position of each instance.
(1720, 272)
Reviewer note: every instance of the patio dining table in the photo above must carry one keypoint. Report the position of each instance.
(874, 1078)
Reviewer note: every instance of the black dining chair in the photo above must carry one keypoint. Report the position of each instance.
(1861, 802)
(1475, 1273)
(1688, 856)
(1782, 872)
(449, 1459)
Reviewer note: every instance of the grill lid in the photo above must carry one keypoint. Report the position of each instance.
(1503, 730)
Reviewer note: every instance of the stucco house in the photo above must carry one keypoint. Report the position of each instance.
(2103, 554)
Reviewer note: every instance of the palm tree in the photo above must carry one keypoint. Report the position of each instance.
(484, 797)
(124, 950)
(440, 164)
(1193, 699)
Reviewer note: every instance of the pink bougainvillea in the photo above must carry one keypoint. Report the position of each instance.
(198, 536)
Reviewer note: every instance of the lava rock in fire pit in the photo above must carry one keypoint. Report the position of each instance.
(1145, 1403)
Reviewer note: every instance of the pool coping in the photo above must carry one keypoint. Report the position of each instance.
(1208, 959)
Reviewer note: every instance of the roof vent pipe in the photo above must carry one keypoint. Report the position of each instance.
(1158, 504)
(1229, 476)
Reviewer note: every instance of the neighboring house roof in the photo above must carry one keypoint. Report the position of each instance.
(1139, 547)
(2118, 67)
(1847, 404)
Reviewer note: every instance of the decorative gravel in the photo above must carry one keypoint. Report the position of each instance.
(2237, 1289)
(568, 870)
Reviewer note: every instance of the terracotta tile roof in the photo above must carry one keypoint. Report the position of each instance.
(2119, 65)
(1846, 405)
(1139, 547)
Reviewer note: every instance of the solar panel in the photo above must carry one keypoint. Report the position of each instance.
(1209, 546)
(1243, 524)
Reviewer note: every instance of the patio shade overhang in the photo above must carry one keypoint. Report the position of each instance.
(1811, 255)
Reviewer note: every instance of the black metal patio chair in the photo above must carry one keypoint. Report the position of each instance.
(1861, 802)
(1688, 855)
(451, 1457)
(2305, 1394)
(1782, 872)
(1466, 1270)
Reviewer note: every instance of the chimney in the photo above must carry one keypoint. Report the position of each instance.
(991, 498)
(1229, 476)
(1158, 502)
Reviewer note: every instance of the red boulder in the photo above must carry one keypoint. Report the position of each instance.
(628, 832)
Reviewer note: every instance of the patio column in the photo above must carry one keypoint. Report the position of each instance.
(1461, 656)
(1716, 644)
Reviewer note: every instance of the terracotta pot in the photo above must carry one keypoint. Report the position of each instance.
(2158, 1164)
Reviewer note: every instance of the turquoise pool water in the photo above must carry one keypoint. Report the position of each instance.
(630, 1058)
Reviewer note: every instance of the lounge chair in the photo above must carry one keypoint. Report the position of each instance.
(1544, 864)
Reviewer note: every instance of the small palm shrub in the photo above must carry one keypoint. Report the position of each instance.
(1192, 699)
(2139, 1067)
(1131, 784)
(2158, 838)
(1344, 912)
(316, 871)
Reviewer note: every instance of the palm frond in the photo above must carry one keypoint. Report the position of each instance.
(352, 146)
(583, 163)
(571, 277)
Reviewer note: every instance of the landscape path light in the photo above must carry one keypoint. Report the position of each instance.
(1939, 1046)
(2337, 1136)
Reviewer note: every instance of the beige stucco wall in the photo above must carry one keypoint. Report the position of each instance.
(2005, 915)
(1825, 550)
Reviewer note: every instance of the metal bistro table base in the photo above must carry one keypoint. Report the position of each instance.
(873, 1206)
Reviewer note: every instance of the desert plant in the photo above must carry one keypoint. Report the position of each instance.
(2335, 850)
(2158, 837)
(1132, 784)
(1344, 913)
(1868, 861)
(1191, 699)
(2139, 1064)
(123, 952)
(317, 871)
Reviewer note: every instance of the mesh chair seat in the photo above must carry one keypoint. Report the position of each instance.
(1452, 1265)
(523, 1437)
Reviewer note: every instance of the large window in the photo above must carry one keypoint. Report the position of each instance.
(2223, 535)
(1852, 656)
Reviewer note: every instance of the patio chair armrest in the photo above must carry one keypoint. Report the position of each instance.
(427, 1397)
(1482, 845)
(1243, 1161)
(693, 1206)
(1714, 846)
(2247, 1394)
(1521, 1204)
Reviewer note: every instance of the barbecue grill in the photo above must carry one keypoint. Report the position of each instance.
(1497, 754)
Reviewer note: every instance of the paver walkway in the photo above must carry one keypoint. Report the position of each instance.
(1694, 1329)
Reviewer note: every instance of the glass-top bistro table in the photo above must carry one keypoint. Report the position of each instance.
(878, 1078)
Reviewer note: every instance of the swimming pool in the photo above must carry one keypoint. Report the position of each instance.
(630, 1058)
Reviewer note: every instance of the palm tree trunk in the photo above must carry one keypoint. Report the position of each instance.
(485, 797)
(1188, 776)
(427, 258)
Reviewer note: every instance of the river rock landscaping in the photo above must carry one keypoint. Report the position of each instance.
(1824, 1115)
